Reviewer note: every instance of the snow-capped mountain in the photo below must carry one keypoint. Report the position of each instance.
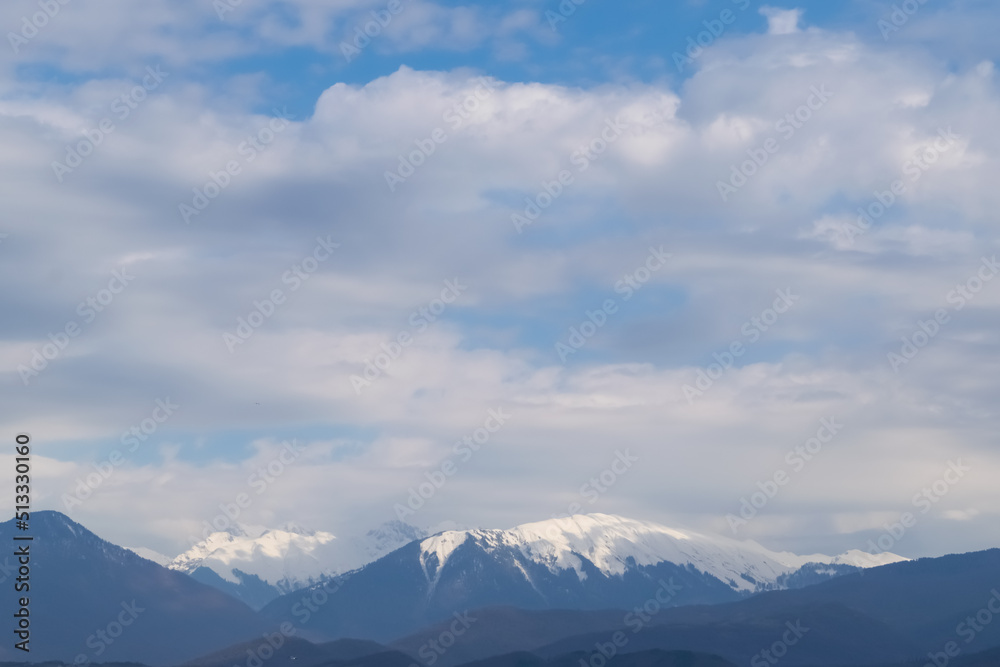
(583, 562)
(286, 557)
(612, 544)
(257, 564)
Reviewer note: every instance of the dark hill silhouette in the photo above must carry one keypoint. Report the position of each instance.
(82, 586)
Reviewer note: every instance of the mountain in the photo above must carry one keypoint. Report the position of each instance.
(904, 614)
(93, 599)
(506, 631)
(584, 562)
(256, 564)
(149, 554)
(351, 649)
(907, 611)
(816, 635)
(613, 544)
(653, 658)
(594, 590)
(297, 652)
(292, 652)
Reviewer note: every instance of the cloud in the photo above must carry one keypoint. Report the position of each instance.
(826, 121)
(781, 21)
(87, 36)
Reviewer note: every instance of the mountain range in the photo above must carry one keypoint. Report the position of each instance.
(588, 590)
(591, 561)
(256, 565)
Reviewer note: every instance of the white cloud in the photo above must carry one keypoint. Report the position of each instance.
(781, 21)
(656, 185)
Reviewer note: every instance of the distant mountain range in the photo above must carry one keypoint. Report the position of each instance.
(585, 591)
(593, 561)
(257, 565)
(930, 610)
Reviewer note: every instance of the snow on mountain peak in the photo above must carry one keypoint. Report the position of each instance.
(859, 558)
(289, 557)
(612, 543)
(292, 527)
(279, 557)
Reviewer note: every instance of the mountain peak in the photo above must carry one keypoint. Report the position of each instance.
(52, 521)
(296, 529)
(83, 580)
(248, 559)
(63, 534)
(614, 544)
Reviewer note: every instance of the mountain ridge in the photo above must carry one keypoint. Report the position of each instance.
(85, 591)
(256, 564)
(609, 541)
(584, 562)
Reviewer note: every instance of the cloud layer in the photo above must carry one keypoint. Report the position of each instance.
(439, 233)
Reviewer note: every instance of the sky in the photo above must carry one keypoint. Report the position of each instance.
(722, 265)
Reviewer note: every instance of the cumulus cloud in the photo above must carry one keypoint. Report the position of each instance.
(781, 21)
(752, 174)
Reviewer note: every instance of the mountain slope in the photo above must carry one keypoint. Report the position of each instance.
(506, 630)
(585, 562)
(884, 615)
(256, 564)
(84, 590)
(816, 634)
(612, 544)
(653, 658)
(293, 652)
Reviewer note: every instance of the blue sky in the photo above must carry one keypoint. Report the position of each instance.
(233, 175)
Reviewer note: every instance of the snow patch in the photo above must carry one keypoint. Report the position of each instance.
(611, 543)
(290, 557)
